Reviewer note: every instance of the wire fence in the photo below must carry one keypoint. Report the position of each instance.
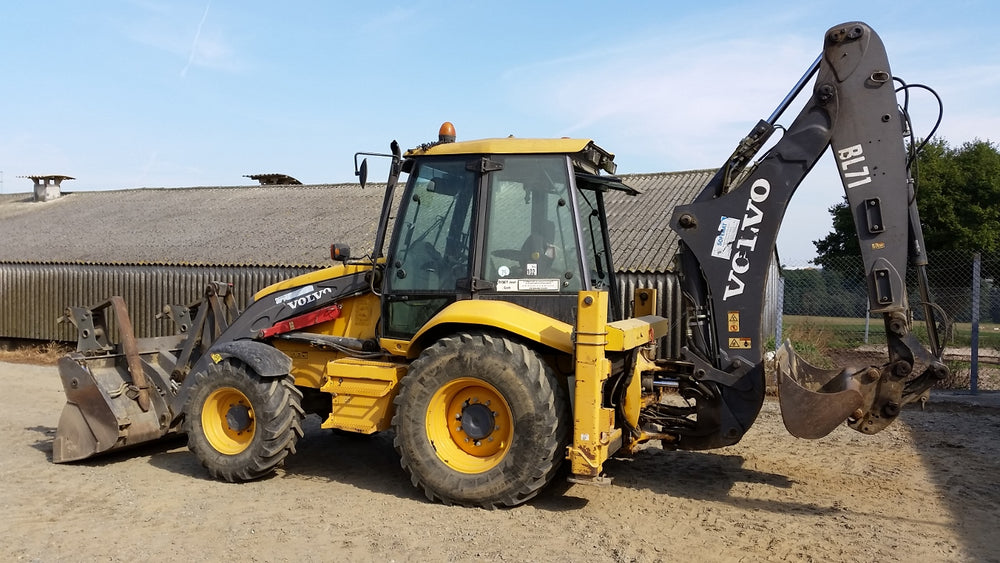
(825, 314)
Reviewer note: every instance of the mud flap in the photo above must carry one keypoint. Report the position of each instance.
(815, 401)
(102, 411)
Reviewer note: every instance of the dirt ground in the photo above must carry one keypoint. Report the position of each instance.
(923, 490)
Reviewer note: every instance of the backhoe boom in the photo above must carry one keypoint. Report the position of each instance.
(729, 235)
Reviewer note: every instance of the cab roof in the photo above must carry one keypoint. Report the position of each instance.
(585, 153)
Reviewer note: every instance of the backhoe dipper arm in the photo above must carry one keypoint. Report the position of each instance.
(728, 238)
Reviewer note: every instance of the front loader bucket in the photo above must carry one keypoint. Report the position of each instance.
(815, 401)
(121, 395)
(103, 410)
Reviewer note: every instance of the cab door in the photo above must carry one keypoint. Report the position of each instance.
(531, 240)
(428, 264)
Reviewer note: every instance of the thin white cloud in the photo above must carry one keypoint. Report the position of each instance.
(194, 43)
(168, 28)
(961, 90)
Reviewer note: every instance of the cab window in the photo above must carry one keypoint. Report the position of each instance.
(430, 250)
(530, 241)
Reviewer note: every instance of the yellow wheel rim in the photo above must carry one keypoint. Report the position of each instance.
(228, 420)
(470, 425)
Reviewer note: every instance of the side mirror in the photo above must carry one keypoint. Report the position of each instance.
(340, 252)
(362, 172)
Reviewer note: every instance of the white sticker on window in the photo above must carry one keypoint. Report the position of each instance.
(532, 269)
(538, 285)
(503, 271)
(506, 285)
(528, 285)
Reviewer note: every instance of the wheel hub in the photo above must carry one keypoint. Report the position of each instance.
(477, 420)
(228, 420)
(238, 417)
(470, 425)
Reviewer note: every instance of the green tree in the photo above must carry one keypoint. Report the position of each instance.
(958, 196)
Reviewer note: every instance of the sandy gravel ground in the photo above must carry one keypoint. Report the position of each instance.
(924, 490)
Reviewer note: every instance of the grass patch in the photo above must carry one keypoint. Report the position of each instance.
(822, 340)
(847, 332)
(33, 352)
(811, 340)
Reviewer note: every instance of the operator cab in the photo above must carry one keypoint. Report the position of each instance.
(517, 220)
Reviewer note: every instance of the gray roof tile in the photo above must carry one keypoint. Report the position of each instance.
(278, 225)
(263, 225)
(641, 238)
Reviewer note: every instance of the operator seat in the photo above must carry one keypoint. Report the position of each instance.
(539, 251)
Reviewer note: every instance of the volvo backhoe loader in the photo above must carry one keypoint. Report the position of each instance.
(484, 328)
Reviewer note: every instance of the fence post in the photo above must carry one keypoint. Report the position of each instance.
(779, 312)
(974, 370)
(868, 318)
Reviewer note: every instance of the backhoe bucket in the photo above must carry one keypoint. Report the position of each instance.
(815, 401)
(102, 410)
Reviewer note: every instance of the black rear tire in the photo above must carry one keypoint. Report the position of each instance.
(241, 425)
(481, 420)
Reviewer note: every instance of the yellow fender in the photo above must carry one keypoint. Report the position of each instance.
(494, 315)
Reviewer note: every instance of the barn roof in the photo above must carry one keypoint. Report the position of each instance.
(246, 225)
(289, 225)
(641, 237)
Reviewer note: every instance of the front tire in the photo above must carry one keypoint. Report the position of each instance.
(481, 420)
(241, 425)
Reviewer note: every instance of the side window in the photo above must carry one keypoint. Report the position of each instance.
(530, 238)
(432, 246)
(596, 255)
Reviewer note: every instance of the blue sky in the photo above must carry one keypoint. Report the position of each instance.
(157, 93)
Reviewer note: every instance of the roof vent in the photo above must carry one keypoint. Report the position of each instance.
(273, 179)
(47, 186)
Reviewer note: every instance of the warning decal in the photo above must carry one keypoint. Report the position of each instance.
(733, 320)
(739, 343)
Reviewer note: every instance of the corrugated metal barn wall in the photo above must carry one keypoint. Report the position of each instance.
(33, 296)
(669, 302)
(772, 301)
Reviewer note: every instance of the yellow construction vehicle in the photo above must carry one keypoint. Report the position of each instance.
(484, 328)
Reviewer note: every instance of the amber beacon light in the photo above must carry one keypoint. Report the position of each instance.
(446, 134)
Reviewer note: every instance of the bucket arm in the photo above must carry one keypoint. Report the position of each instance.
(728, 238)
